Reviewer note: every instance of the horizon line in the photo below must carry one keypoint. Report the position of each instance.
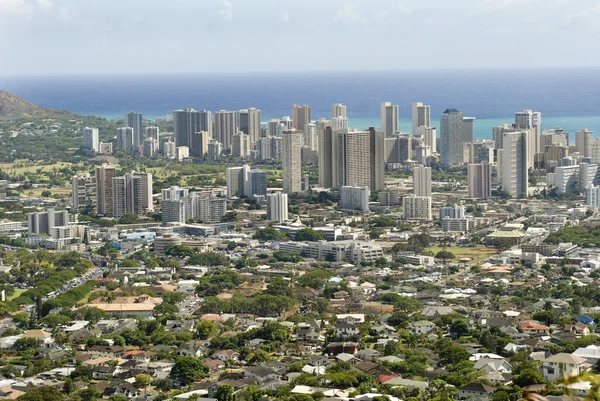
(306, 72)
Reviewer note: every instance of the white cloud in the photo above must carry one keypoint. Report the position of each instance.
(66, 14)
(585, 14)
(285, 18)
(348, 14)
(404, 7)
(15, 7)
(227, 11)
(45, 5)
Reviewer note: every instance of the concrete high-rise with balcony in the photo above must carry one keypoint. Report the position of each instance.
(451, 138)
(452, 212)
(277, 207)
(44, 222)
(354, 198)
(236, 181)
(215, 148)
(479, 177)
(134, 121)
(291, 161)
(240, 145)
(226, 126)
(338, 110)
(416, 207)
(398, 148)
(309, 136)
(187, 122)
(421, 116)
(274, 128)
(515, 163)
(91, 143)
(173, 205)
(83, 191)
(422, 181)
(104, 192)
(351, 159)
(583, 142)
(150, 147)
(592, 196)
(429, 136)
(339, 123)
(125, 139)
(300, 117)
(389, 118)
(132, 193)
(249, 121)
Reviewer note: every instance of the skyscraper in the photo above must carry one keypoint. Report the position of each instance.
(291, 161)
(529, 119)
(338, 110)
(325, 156)
(125, 139)
(389, 118)
(173, 205)
(300, 116)
(583, 142)
(274, 128)
(451, 138)
(226, 126)
(84, 191)
(240, 145)
(421, 116)
(310, 136)
(104, 193)
(277, 207)
(422, 181)
(91, 142)
(479, 177)
(188, 122)
(351, 158)
(152, 132)
(200, 142)
(250, 123)
(339, 123)
(515, 163)
(377, 159)
(236, 181)
(134, 120)
(467, 129)
(256, 183)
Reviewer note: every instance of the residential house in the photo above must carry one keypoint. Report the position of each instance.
(367, 354)
(422, 327)
(558, 365)
(534, 327)
(226, 354)
(493, 365)
(578, 329)
(260, 373)
(191, 349)
(473, 390)
(343, 329)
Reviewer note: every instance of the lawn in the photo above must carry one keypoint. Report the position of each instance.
(18, 292)
(477, 254)
(21, 167)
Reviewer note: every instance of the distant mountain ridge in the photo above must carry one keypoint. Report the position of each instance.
(12, 106)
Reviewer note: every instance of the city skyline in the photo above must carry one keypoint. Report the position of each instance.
(111, 30)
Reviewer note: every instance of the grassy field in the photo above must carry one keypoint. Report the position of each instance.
(18, 292)
(476, 254)
(21, 167)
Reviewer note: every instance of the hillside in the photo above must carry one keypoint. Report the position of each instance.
(12, 106)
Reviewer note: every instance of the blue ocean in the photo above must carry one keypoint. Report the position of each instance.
(569, 98)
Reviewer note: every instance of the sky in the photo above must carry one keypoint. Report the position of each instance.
(41, 37)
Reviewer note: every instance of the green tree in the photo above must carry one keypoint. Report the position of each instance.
(43, 393)
(143, 380)
(225, 393)
(188, 369)
(459, 328)
(129, 218)
(453, 355)
(309, 234)
(205, 329)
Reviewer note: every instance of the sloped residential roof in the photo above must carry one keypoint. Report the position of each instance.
(566, 358)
